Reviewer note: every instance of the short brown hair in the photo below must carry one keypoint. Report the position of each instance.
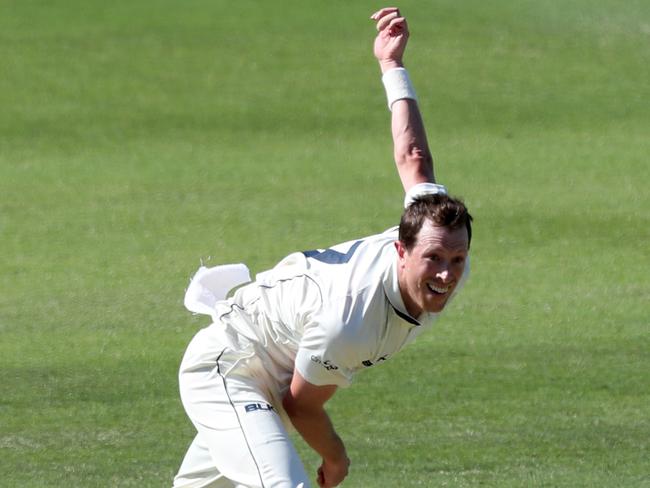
(441, 210)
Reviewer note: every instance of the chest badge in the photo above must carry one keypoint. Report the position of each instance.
(367, 363)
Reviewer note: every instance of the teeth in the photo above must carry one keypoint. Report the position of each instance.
(438, 289)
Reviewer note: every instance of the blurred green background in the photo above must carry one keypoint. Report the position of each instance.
(139, 139)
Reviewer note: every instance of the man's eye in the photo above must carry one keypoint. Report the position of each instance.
(459, 259)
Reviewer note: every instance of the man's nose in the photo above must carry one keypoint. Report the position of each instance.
(443, 274)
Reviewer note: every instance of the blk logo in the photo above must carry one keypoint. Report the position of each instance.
(252, 407)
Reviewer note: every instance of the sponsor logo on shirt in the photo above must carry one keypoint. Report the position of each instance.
(253, 407)
(367, 363)
(327, 364)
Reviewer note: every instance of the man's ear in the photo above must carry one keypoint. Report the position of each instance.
(401, 249)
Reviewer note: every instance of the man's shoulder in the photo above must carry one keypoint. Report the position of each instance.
(366, 255)
(388, 235)
(341, 268)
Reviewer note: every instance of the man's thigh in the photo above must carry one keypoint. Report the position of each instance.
(243, 433)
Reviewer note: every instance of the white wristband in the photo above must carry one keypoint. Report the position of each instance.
(398, 86)
(422, 189)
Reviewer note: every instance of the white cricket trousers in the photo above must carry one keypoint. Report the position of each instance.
(241, 441)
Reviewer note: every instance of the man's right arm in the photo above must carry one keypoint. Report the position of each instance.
(411, 150)
(304, 403)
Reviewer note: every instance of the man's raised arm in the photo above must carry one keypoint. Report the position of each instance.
(412, 156)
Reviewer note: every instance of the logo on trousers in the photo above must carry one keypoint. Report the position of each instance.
(253, 407)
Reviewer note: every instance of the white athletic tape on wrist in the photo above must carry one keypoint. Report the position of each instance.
(422, 189)
(398, 86)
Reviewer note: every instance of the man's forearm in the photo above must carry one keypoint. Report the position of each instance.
(304, 405)
(411, 150)
(317, 430)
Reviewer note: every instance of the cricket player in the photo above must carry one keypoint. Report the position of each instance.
(279, 348)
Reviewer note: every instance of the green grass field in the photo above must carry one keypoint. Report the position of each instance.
(139, 138)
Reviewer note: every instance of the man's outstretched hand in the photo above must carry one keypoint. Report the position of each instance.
(391, 39)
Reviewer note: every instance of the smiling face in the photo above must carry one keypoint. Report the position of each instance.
(429, 272)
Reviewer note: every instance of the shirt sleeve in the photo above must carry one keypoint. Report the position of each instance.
(316, 366)
(326, 356)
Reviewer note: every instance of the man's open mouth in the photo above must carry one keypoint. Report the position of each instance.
(438, 290)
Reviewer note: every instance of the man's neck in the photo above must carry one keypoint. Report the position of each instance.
(410, 305)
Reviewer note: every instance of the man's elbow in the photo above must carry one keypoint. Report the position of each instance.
(293, 406)
(414, 164)
(412, 154)
(289, 404)
(298, 407)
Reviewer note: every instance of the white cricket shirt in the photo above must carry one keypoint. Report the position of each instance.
(327, 313)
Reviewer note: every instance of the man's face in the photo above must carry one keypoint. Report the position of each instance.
(429, 273)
